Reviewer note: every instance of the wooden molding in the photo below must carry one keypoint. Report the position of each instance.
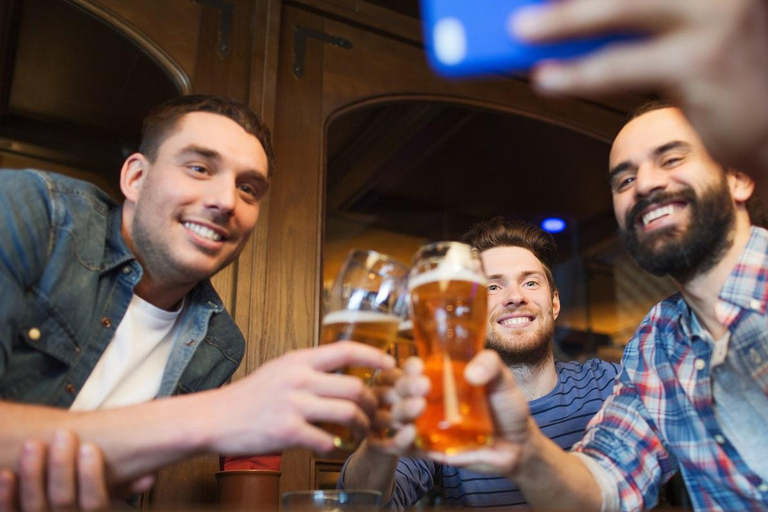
(175, 72)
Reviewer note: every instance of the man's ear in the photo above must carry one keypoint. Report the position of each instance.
(132, 176)
(742, 185)
(556, 305)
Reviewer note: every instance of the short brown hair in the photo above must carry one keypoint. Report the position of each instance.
(648, 106)
(500, 232)
(162, 119)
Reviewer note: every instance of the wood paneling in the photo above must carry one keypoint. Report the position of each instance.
(9, 15)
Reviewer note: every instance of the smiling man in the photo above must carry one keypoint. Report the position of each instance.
(112, 335)
(523, 304)
(692, 395)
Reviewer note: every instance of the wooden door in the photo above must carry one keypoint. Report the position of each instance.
(337, 56)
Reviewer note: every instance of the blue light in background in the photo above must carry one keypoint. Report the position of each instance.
(553, 225)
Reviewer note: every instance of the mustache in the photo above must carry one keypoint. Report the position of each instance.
(687, 195)
(512, 310)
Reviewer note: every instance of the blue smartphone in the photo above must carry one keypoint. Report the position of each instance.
(470, 37)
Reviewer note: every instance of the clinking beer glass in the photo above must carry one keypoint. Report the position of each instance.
(363, 306)
(449, 307)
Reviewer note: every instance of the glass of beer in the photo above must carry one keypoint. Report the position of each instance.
(449, 306)
(363, 306)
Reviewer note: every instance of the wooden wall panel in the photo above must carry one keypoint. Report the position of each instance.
(251, 293)
(295, 215)
(9, 20)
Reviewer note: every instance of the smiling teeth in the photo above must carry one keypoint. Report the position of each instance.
(203, 231)
(516, 321)
(659, 212)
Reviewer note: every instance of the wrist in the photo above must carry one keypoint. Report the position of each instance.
(530, 450)
(202, 429)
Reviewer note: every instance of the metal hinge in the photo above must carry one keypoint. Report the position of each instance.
(300, 36)
(224, 38)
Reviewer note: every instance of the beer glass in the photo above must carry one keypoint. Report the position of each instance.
(449, 307)
(331, 501)
(363, 306)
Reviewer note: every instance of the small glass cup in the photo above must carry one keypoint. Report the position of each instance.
(331, 501)
(449, 299)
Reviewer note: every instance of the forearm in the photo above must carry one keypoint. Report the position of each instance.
(551, 478)
(371, 469)
(135, 440)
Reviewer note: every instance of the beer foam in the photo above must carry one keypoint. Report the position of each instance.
(440, 275)
(353, 316)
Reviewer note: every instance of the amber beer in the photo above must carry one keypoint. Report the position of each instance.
(368, 327)
(449, 322)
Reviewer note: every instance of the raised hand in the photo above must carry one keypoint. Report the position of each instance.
(277, 406)
(708, 56)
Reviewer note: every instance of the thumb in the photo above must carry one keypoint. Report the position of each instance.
(487, 369)
(509, 406)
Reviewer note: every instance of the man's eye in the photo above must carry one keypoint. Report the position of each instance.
(531, 284)
(254, 191)
(248, 189)
(199, 169)
(623, 183)
(671, 161)
(493, 287)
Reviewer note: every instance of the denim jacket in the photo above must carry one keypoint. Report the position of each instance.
(66, 279)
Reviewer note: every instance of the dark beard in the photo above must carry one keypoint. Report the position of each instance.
(524, 356)
(693, 252)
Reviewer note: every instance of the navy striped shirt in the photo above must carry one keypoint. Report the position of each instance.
(562, 415)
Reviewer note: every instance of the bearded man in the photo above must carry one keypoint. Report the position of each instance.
(523, 304)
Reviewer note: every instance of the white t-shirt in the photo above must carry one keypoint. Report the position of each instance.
(131, 368)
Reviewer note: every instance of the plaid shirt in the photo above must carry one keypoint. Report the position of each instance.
(660, 417)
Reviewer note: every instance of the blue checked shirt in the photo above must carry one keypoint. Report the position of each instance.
(660, 418)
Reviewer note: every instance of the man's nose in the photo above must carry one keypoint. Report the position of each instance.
(221, 196)
(649, 179)
(514, 296)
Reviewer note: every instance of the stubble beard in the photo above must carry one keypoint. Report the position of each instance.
(156, 255)
(684, 253)
(529, 351)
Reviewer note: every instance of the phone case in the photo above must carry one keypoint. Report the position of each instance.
(470, 37)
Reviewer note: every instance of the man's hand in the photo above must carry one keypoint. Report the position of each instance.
(388, 435)
(63, 475)
(278, 406)
(708, 56)
(513, 423)
(548, 477)
(374, 463)
(511, 416)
